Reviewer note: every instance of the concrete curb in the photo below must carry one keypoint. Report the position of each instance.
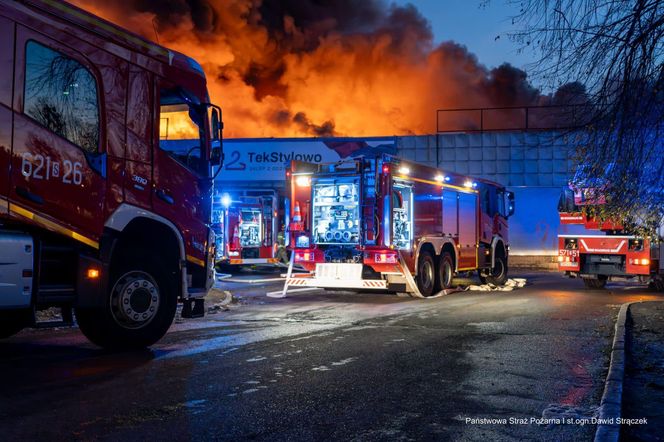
(611, 404)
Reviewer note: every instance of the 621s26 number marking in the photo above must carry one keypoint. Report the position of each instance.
(39, 167)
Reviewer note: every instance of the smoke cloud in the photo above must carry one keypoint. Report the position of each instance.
(320, 68)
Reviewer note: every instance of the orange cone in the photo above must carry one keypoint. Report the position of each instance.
(297, 215)
(236, 238)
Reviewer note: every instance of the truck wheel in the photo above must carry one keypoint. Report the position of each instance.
(445, 271)
(594, 284)
(138, 310)
(426, 274)
(498, 274)
(13, 321)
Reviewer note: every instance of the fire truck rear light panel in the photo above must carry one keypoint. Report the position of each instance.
(381, 257)
(335, 212)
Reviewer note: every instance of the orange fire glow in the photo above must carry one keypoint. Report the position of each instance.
(346, 68)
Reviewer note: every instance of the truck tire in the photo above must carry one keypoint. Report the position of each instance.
(13, 321)
(498, 274)
(138, 310)
(445, 271)
(595, 284)
(426, 273)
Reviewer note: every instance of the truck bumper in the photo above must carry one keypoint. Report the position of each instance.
(371, 284)
(16, 270)
(338, 276)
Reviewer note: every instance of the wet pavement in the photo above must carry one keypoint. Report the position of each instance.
(330, 365)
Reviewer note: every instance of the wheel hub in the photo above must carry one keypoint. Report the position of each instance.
(135, 300)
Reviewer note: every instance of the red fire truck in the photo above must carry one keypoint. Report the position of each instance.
(100, 212)
(245, 224)
(387, 224)
(613, 255)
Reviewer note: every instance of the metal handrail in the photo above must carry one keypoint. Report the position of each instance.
(527, 124)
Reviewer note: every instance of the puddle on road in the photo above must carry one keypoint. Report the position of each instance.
(488, 326)
(562, 411)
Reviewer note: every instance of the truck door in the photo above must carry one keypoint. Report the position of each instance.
(182, 190)
(467, 230)
(57, 177)
(138, 173)
(6, 80)
(451, 214)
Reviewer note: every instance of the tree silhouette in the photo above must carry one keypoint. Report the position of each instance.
(615, 48)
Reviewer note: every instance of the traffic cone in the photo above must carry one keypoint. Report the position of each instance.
(297, 215)
(236, 238)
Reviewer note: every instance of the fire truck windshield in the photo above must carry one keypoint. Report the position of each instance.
(183, 131)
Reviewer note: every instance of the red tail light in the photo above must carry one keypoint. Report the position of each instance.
(381, 257)
(305, 256)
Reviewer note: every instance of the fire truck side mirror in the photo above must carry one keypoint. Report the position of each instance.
(215, 123)
(217, 156)
(216, 126)
(510, 203)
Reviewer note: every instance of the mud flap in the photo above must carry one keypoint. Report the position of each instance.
(411, 285)
(289, 273)
(193, 308)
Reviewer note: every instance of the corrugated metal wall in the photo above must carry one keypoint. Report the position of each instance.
(510, 158)
(535, 165)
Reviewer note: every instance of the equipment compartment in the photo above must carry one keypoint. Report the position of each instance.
(335, 212)
(402, 215)
(250, 227)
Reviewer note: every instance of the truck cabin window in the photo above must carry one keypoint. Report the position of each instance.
(61, 95)
(182, 130)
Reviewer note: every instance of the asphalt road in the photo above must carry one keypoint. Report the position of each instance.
(328, 365)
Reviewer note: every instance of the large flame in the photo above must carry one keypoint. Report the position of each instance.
(300, 68)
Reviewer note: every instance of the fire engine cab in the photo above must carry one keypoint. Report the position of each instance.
(387, 224)
(615, 254)
(102, 213)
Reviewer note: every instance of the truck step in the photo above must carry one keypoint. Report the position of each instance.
(55, 293)
(66, 319)
(51, 324)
